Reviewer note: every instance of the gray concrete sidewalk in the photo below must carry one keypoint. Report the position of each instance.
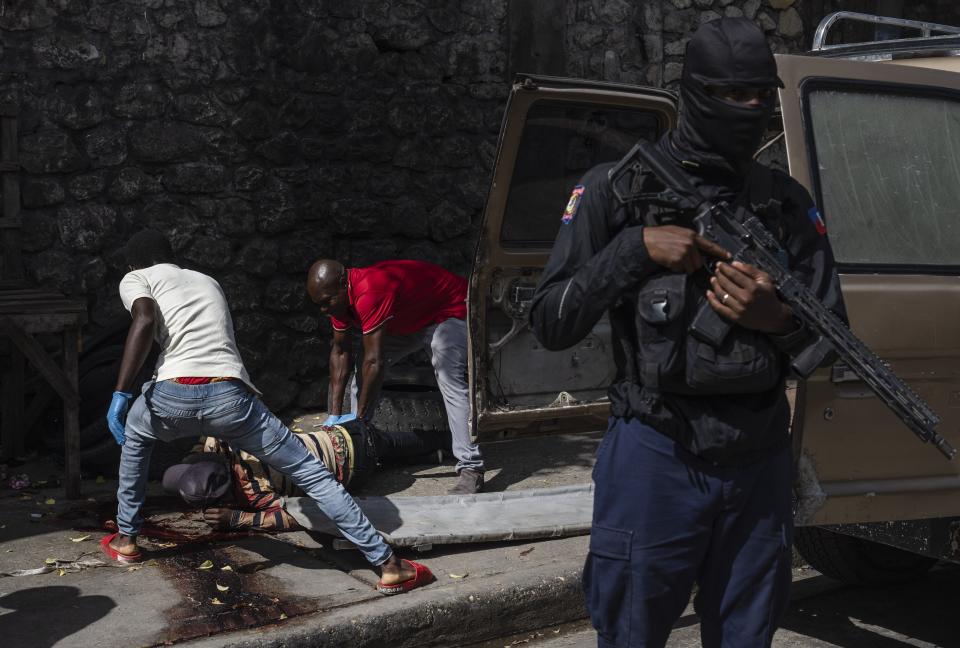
(290, 589)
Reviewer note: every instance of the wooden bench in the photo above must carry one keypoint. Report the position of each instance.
(25, 311)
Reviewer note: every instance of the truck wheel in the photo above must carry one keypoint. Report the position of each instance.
(410, 411)
(856, 561)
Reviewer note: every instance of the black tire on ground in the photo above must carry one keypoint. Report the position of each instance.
(411, 411)
(856, 561)
(104, 458)
(99, 453)
(97, 373)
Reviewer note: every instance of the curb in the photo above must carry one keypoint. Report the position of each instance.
(433, 616)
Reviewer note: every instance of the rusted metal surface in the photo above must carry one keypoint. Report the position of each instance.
(809, 495)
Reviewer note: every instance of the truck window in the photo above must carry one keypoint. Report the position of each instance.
(560, 142)
(886, 166)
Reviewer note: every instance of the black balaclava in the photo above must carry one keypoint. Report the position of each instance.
(714, 132)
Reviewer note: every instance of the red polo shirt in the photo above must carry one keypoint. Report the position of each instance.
(406, 296)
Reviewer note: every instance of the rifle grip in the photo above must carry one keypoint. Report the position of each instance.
(814, 356)
(708, 327)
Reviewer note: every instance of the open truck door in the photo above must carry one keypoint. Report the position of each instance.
(553, 131)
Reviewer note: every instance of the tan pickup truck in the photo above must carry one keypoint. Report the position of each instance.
(873, 131)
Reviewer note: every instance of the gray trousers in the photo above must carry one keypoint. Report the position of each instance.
(446, 344)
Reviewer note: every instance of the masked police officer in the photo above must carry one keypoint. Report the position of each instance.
(693, 476)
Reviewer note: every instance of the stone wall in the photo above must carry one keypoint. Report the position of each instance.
(263, 134)
(259, 135)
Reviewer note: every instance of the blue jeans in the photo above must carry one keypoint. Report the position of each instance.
(446, 344)
(227, 410)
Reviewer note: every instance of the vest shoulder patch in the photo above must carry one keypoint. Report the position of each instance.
(573, 204)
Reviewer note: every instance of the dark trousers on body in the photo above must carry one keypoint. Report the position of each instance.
(663, 520)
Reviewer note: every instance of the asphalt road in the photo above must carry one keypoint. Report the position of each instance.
(824, 614)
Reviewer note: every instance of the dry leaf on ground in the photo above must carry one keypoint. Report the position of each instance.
(206, 564)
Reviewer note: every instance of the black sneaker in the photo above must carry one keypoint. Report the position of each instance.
(470, 482)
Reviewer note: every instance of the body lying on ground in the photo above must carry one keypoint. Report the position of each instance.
(239, 492)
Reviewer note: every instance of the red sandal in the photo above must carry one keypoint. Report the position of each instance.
(422, 575)
(115, 555)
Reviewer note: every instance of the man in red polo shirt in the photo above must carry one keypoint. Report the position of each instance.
(399, 307)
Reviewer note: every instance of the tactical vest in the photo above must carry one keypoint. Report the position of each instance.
(669, 359)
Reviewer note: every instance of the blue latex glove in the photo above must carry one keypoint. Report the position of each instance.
(117, 415)
(342, 418)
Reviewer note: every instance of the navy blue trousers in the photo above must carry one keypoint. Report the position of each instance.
(663, 520)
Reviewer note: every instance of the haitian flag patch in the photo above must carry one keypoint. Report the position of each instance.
(572, 205)
(814, 215)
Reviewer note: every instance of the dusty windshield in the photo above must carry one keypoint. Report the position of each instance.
(888, 174)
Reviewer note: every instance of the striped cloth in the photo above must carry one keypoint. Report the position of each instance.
(259, 489)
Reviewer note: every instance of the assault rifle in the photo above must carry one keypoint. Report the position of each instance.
(747, 239)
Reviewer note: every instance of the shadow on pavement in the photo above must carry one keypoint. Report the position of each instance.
(534, 462)
(30, 624)
(924, 611)
(553, 460)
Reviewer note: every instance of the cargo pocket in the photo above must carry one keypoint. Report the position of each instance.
(607, 583)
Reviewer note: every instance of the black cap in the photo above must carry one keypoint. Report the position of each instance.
(199, 484)
(730, 52)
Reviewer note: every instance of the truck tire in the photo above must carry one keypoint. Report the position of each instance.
(856, 561)
(411, 410)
